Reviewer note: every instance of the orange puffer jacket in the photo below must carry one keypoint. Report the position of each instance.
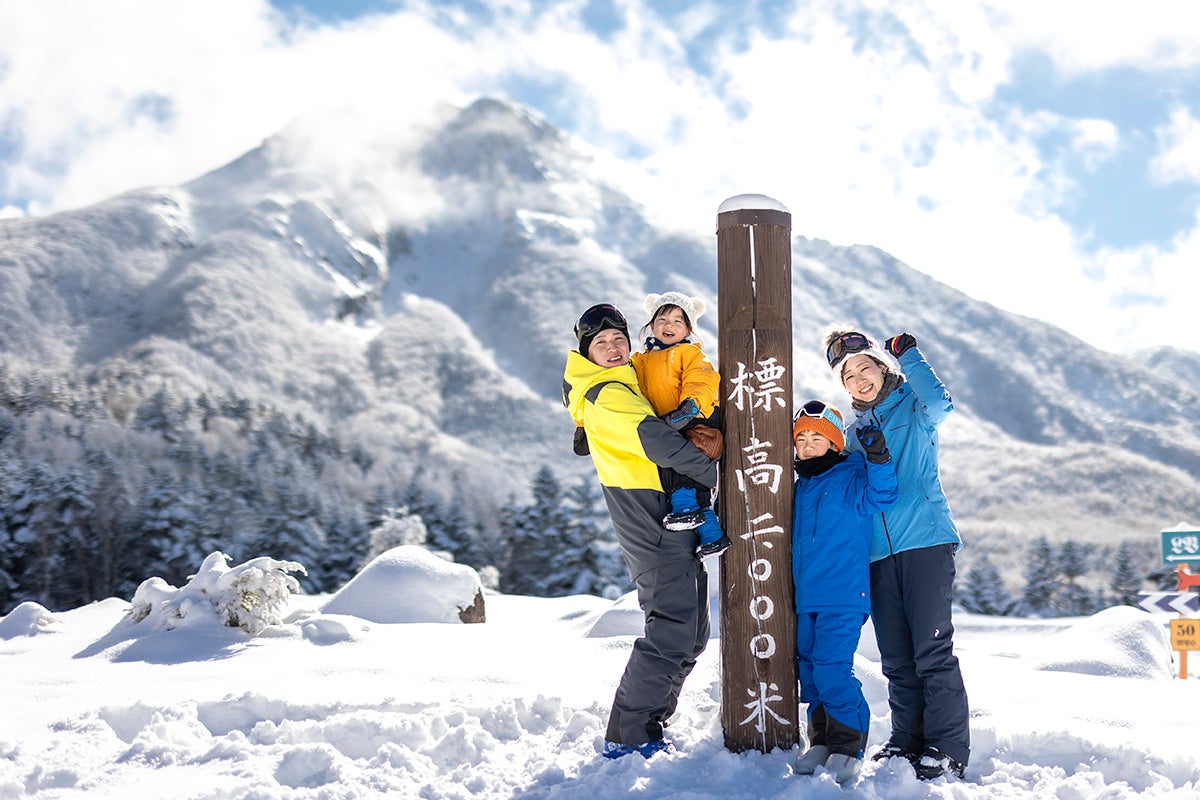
(667, 376)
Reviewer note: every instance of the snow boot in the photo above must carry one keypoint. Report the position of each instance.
(845, 749)
(936, 764)
(686, 513)
(616, 750)
(713, 540)
(808, 761)
(843, 767)
(817, 753)
(891, 750)
(663, 745)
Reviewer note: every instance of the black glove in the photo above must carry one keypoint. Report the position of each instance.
(873, 444)
(681, 417)
(580, 445)
(900, 343)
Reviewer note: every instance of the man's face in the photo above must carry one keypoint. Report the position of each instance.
(610, 348)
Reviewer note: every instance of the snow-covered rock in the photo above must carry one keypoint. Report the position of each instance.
(410, 584)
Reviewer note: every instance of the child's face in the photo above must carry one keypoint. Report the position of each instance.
(810, 444)
(610, 348)
(670, 326)
(863, 377)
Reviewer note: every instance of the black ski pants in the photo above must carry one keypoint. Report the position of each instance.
(674, 598)
(910, 608)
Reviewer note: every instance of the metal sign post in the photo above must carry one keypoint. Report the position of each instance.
(759, 695)
(1181, 547)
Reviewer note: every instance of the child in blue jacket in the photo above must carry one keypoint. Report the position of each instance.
(895, 389)
(837, 495)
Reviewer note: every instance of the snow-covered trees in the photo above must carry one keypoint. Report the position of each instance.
(984, 592)
(107, 481)
(1042, 577)
(561, 543)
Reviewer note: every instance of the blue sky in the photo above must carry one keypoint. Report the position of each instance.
(1048, 166)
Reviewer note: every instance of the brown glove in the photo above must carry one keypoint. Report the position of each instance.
(707, 440)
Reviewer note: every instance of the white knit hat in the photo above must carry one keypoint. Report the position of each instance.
(694, 307)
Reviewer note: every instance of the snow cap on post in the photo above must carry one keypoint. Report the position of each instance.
(753, 209)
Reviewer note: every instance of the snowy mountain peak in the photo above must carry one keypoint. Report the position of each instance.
(492, 141)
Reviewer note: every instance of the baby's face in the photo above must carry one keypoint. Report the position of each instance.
(610, 348)
(670, 326)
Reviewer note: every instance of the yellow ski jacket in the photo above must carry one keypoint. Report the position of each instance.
(628, 444)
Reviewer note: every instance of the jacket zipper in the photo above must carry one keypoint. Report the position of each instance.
(883, 514)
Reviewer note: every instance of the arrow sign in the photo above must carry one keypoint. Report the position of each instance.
(1180, 547)
(1170, 601)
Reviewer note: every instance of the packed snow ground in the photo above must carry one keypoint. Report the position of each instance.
(366, 702)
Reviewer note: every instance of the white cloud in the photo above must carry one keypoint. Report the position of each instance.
(224, 74)
(1080, 35)
(1179, 156)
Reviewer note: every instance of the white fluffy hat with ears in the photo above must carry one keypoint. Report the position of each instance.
(694, 307)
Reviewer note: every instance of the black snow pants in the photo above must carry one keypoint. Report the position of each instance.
(911, 593)
(674, 598)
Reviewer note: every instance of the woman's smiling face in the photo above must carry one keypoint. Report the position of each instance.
(863, 377)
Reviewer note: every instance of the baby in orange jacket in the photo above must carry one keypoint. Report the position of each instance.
(684, 389)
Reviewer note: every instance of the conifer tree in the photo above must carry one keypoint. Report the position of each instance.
(1073, 599)
(347, 540)
(984, 591)
(603, 571)
(72, 517)
(1042, 578)
(541, 558)
(173, 541)
(396, 527)
(1126, 583)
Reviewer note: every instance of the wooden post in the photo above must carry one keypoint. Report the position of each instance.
(759, 696)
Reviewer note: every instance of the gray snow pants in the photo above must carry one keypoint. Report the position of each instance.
(910, 608)
(674, 598)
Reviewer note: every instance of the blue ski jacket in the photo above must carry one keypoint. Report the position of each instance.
(831, 533)
(909, 418)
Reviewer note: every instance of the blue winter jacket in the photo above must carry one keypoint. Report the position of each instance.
(831, 533)
(909, 418)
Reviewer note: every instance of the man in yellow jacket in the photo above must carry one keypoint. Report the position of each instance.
(628, 445)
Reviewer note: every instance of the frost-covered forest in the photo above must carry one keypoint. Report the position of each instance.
(105, 482)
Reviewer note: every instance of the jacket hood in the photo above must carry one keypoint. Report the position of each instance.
(582, 374)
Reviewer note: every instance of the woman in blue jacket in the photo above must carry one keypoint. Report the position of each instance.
(837, 494)
(912, 551)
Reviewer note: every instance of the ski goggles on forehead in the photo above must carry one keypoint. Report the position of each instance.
(597, 318)
(852, 342)
(818, 410)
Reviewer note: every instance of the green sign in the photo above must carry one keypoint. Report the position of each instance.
(1181, 547)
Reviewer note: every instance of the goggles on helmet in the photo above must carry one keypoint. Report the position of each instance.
(599, 317)
(818, 410)
(852, 342)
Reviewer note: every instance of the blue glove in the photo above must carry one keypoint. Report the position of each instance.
(873, 444)
(681, 417)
